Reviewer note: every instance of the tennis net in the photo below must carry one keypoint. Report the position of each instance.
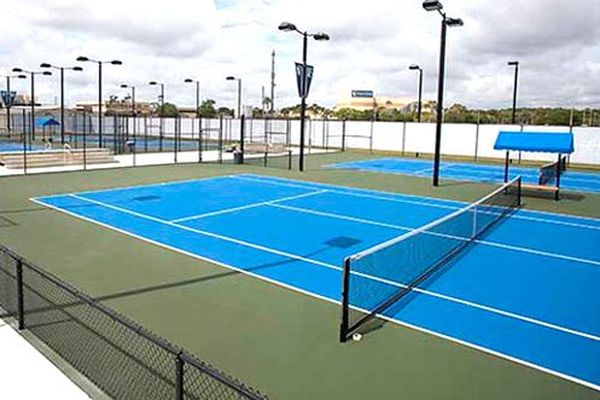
(375, 280)
(550, 172)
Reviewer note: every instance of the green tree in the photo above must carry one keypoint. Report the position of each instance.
(207, 109)
(168, 110)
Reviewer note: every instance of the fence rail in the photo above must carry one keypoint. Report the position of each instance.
(119, 356)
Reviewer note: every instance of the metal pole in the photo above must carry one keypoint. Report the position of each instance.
(161, 121)
(514, 107)
(20, 305)
(100, 104)
(440, 106)
(420, 95)
(33, 106)
(303, 100)
(8, 106)
(239, 105)
(62, 105)
(272, 82)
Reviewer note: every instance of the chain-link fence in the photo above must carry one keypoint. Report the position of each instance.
(117, 355)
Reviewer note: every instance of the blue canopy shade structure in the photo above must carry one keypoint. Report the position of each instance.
(547, 142)
(46, 121)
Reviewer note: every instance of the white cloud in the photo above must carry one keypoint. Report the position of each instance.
(372, 45)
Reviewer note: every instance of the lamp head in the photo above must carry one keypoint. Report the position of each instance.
(321, 36)
(287, 27)
(513, 63)
(17, 70)
(152, 83)
(432, 5)
(47, 73)
(77, 69)
(116, 62)
(22, 76)
(188, 80)
(124, 86)
(230, 78)
(452, 22)
(45, 65)
(414, 67)
(82, 59)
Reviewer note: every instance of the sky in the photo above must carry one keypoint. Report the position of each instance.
(372, 44)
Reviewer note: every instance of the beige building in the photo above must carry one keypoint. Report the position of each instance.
(379, 102)
(116, 107)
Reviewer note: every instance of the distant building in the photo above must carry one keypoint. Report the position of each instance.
(379, 102)
(118, 107)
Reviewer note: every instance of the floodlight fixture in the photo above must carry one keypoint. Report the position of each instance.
(432, 5)
(287, 27)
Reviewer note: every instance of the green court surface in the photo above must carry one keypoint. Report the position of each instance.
(278, 341)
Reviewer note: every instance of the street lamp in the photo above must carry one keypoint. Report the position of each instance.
(125, 86)
(319, 36)
(189, 80)
(62, 95)
(514, 107)
(161, 114)
(415, 67)
(435, 5)
(113, 62)
(32, 75)
(239, 96)
(8, 103)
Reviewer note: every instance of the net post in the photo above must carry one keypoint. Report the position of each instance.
(290, 160)
(179, 393)
(345, 301)
(519, 193)
(20, 305)
(506, 167)
(558, 172)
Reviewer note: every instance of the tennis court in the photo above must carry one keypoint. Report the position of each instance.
(570, 180)
(499, 295)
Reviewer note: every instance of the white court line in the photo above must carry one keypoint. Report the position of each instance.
(247, 206)
(421, 203)
(314, 295)
(334, 267)
(406, 228)
(459, 203)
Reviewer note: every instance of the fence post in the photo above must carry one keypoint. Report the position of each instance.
(242, 137)
(179, 392)
(200, 139)
(20, 307)
(343, 135)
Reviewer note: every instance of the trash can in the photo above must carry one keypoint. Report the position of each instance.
(238, 157)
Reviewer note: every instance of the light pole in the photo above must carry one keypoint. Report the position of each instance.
(435, 5)
(133, 112)
(161, 113)
(415, 67)
(8, 104)
(514, 106)
(113, 62)
(32, 75)
(239, 95)
(319, 36)
(62, 95)
(189, 80)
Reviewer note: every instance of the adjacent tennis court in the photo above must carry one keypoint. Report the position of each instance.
(570, 180)
(523, 290)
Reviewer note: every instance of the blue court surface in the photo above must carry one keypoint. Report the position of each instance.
(16, 147)
(575, 181)
(526, 291)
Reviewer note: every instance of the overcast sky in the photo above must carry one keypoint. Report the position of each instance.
(372, 44)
